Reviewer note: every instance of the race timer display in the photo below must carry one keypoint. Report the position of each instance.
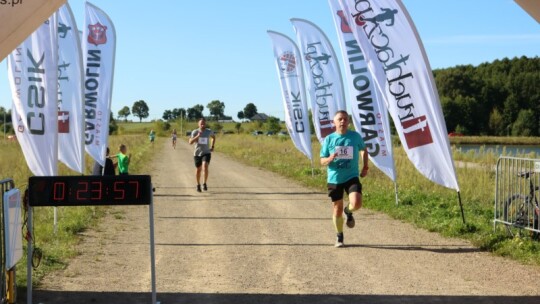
(89, 190)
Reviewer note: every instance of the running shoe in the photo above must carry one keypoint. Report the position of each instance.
(350, 218)
(198, 188)
(204, 187)
(339, 240)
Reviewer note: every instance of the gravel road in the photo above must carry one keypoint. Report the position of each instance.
(255, 237)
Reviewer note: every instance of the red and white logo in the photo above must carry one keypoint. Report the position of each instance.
(345, 28)
(326, 127)
(417, 132)
(287, 62)
(97, 34)
(63, 122)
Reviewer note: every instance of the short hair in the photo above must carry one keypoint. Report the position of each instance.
(342, 112)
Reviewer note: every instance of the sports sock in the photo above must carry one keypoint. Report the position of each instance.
(338, 223)
(349, 209)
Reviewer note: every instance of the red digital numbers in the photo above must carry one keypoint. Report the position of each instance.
(82, 191)
(119, 193)
(136, 185)
(96, 189)
(59, 191)
(90, 190)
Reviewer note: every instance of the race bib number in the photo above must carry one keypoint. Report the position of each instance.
(203, 141)
(344, 152)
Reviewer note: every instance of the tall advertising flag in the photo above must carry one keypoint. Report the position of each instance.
(369, 112)
(32, 74)
(99, 45)
(324, 84)
(70, 92)
(289, 69)
(396, 58)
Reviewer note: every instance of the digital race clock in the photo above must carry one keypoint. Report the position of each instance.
(89, 190)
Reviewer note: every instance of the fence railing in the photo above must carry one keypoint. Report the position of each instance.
(517, 193)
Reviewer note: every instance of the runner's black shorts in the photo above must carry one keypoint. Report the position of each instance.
(203, 158)
(335, 191)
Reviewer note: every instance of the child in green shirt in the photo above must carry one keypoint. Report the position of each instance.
(123, 160)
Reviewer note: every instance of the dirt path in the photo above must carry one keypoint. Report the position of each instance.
(255, 237)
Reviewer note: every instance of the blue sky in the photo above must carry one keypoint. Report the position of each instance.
(175, 54)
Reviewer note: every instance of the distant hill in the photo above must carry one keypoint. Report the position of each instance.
(498, 98)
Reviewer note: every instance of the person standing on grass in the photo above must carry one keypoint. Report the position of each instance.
(340, 153)
(152, 136)
(203, 151)
(173, 137)
(109, 166)
(123, 160)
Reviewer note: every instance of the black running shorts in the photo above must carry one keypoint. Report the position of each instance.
(200, 159)
(335, 191)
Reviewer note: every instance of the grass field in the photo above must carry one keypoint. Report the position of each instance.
(421, 202)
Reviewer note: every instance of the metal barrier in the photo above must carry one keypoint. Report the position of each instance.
(7, 275)
(517, 193)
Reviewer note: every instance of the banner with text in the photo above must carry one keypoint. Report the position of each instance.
(324, 84)
(289, 68)
(99, 45)
(369, 111)
(70, 92)
(32, 73)
(397, 60)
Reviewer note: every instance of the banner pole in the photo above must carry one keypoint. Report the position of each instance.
(461, 207)
(396, 193)
(29, 251)
(152, 250)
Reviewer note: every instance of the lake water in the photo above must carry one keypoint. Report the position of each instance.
(510, 150)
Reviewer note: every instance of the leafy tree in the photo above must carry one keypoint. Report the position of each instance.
(272, 124)
(195, 112)
(113, 127)
(250, 110)
(140, 109)
(238, 127)
(124, 112)
(216, 108)
(523, 125)
(178, 112)
(496, 123)
(167, 115)
(240, 115)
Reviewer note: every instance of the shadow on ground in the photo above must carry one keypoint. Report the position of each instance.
(49, 297)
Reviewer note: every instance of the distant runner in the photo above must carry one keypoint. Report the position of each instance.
(203, 151)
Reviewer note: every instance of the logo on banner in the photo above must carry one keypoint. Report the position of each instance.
(417, 132)
(344, 25)
(63, 30)
(287, 62)
(326, 128)
(63, 122)
(386, 15)
(97, 34)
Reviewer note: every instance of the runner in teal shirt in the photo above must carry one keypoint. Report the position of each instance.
(341, 153)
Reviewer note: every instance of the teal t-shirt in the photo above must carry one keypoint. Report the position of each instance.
(345, 165)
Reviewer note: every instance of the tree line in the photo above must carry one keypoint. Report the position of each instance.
(500, 98)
